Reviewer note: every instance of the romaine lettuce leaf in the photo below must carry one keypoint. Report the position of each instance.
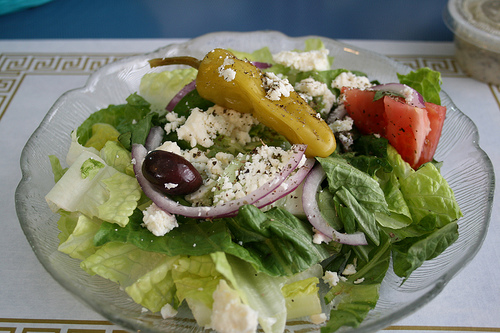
(302, 298)
(105, 193)
(411, 252)
(80, 243)
(155, 288)
(121, 263)
(115, 155)
(259, 290)
(122, 117)
(159, 88)
(426, 81)
(427, 192)
(57, 168)
(101, 133)
(196, 279)
(275, 242)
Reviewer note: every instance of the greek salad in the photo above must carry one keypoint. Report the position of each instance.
(258, 188)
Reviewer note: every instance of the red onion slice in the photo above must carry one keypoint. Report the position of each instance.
(229, 208)
(154, 138)
(261, 65)
(310, 204)
(183, 92)
(288, 186)
(400, 89)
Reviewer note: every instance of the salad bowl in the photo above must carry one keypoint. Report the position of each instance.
(466, 167)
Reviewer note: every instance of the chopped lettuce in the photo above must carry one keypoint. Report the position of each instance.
(426, 81)
(97, 190)
(80, 242)
(102, 133)
(158, 88)
(121, 263)
(155, 288)
(302, 298)
(122, 117)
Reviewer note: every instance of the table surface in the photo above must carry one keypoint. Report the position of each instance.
(33, 74)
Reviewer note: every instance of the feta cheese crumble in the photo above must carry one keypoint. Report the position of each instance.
(349, 269)
(158, 221)
(331, 278)
(276, 87)
(167, 311)
(309, 88)
(351, 80)
(202, 127)
(261, 167)
(316, 60)
(227, 73)
(230, 314)
(318, 318)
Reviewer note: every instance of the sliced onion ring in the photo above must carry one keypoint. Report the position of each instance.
(310, 204)
(183, 92)
(398, 88)
(261, 65)
(154, 138)
(229, 208)
(288, 186)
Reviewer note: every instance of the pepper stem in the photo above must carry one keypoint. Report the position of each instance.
(190, 61)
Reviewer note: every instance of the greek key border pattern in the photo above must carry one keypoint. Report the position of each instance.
(14, 67)
(20, 325)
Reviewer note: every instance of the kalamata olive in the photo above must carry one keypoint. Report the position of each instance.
(171, 173)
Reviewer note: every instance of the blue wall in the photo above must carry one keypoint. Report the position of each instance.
(348, 19)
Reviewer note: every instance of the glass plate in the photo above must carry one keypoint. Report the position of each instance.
(466, 167)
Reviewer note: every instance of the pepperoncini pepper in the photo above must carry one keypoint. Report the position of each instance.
(237, 84)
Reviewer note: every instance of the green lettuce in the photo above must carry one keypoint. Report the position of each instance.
(426, 81)
(259, 290)
(155, 288)
(79, 243)
(97, 190)
(158, 88)
(122, 117)
(121, 263)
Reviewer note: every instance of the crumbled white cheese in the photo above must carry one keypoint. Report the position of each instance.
(174, 122)
(408, 94)
(230, 314)
(167, 311)
(350, 80)
(331, 278)
(202, 127)
(304, 61)
(343, 125)
(319, 318)
(313, 88)
(358, 281)
(349, 269)
(158, 221)
(227, 73)
(275, 86)
(346, 140)
(264, 165)
(319, 238)
(171, 147)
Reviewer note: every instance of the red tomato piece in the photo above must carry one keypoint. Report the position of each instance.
(436, 114)
(413, 132)
(407, 127)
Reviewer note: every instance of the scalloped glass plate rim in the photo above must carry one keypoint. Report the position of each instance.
(124, 70)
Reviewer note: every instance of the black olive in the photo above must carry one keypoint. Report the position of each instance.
(171, 173)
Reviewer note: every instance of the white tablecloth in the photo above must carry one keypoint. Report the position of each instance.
(33, 74)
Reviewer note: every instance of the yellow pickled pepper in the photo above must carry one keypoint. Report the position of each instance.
(237, 84)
